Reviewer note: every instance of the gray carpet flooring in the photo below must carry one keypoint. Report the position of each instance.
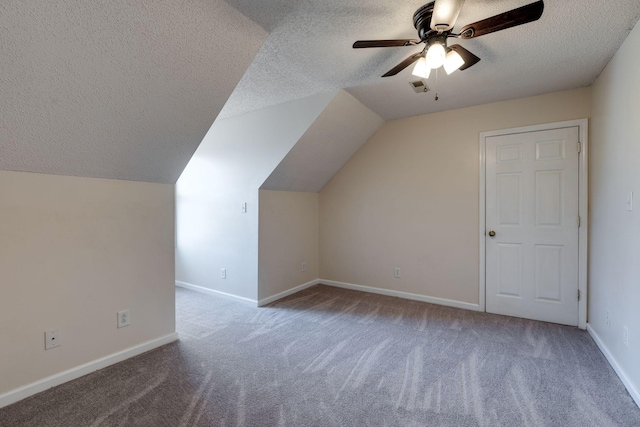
(333, 357)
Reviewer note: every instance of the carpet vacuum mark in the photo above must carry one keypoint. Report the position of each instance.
(334, 357)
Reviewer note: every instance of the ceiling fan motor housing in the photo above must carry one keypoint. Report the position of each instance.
(422, 20)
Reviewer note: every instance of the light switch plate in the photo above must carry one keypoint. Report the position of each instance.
(52, 339)
(625, 336)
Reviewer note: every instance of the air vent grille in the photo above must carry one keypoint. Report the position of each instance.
(419, 86)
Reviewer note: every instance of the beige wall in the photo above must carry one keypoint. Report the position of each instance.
(409, 198)
(288, 236)
(614, 232)
(233, 161)
(73, 252)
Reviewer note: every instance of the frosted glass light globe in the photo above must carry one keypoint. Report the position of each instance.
(421, 69)
(453, 62)
(435, 56)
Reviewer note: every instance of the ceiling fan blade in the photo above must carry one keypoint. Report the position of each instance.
(522, 15)
(404, 64)
(469, 58)
(445, 13)
(385, 43)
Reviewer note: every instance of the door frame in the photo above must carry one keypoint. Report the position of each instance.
(583, 206)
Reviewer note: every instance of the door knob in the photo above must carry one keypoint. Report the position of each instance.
(492, 233)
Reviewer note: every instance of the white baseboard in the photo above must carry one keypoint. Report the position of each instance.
(71, 374)
(212, 291)
(405, 295)
(631, 388)
(291, 291)
(388, 292)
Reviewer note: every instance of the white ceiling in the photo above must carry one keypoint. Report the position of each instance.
(118, 89)
(309, 51)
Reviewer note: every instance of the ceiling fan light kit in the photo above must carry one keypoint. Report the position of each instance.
(435, 21)
(437, 55)
(452, 62)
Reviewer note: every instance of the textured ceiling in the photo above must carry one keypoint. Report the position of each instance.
(340, 130)
(116, 89)
(309, 51)
(127, 89)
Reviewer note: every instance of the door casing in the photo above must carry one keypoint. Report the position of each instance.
(583, 181)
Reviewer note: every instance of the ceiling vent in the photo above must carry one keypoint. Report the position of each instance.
(419, 86)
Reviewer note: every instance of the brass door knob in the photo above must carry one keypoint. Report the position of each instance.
(492, 233)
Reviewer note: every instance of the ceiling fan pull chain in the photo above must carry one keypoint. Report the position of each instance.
(436, 84)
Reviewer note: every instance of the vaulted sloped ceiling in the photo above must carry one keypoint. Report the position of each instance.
(309, 50)
(116, 89)
(342, 128)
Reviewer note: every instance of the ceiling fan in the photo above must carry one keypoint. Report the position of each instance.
(434, 22)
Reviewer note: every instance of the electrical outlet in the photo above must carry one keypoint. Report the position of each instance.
(304, 267)
(608, 319)
(397, 273)
(625, 336)
(124, 318)
(223, 273)
(52, 339)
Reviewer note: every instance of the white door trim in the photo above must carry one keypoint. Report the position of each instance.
(582, 125)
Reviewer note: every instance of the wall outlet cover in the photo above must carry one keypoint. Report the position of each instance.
(124, 318)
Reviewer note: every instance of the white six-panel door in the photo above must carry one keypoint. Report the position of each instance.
(532, 208)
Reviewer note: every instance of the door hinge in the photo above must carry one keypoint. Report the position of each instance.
(578, 294)
(579, 147)
(578, 221)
